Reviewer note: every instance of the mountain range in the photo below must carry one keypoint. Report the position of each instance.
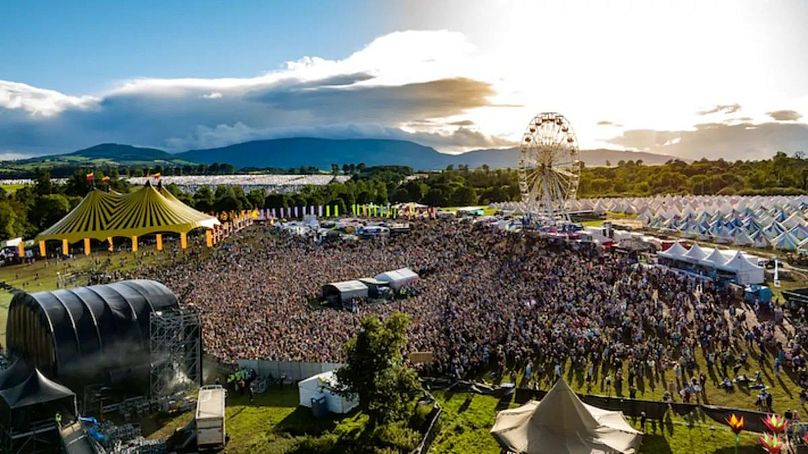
(304, 151)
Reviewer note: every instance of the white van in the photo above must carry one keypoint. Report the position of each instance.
(210, 428)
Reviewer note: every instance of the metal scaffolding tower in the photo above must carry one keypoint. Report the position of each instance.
(175, 346)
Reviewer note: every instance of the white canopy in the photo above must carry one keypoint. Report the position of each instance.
(695, 253)
(746, 271)
(561, 423)
(714, 259)
(398, 278)
(323, 385)
(677, 251)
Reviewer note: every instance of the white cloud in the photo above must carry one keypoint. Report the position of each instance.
(397, 78)
(436, 88)
(39, 101)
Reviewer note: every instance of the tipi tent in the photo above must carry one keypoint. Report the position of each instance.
(561, 423)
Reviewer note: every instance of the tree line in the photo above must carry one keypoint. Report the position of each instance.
(33, 208)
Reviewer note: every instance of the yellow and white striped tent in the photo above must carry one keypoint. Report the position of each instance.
(104, 215)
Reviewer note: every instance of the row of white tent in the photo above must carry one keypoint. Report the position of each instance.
(745, 267)
(777, 222)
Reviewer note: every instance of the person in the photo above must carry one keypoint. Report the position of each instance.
(643, 418)
(58, 418)
(727, 384)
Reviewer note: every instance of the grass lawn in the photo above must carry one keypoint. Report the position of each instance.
(42, 274)
(11, 188)
(273, 423)
(465, 426)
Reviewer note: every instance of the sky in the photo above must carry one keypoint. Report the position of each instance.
(685, 78)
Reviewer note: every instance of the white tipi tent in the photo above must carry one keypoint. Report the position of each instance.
(561, 423)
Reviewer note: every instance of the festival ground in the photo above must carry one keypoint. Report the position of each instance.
(465, 424)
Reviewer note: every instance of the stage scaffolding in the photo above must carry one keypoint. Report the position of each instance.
(176, 353)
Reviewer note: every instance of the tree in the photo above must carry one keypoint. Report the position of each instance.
(463, 196)
(256, 198)
(375, 371)
(203, 199)
(48, 209)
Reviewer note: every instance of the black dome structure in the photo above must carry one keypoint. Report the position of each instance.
(87, 335)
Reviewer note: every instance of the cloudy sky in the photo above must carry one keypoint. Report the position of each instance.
(686, 78)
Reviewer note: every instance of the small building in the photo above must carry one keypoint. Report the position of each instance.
(340, 292)
(399, 278)
(324, 386)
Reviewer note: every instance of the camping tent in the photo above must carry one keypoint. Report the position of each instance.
(323, 385)
(786, 242)
(561, 423)
(398, 278)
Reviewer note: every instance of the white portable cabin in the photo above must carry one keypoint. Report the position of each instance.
(323, 385)
(210, 425)
(398, 278)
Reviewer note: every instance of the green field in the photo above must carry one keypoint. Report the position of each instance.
(10, 188)
(273, 423)
(43, 274)
(468, 418)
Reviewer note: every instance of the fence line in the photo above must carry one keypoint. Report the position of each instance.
(290, 371)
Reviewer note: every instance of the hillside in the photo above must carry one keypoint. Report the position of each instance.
(296, 152)
(105, 153)
(305, 152)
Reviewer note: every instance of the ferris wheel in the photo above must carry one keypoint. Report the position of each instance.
(549, 167)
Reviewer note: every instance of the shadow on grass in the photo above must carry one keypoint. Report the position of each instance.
(302, 422)
(656, 444)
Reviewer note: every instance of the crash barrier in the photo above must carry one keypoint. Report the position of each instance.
(289, 371)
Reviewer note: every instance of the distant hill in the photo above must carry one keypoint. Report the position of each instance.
(303, 152)
(296, 152)
(111, 153)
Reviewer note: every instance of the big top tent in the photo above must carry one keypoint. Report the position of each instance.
(104, 215)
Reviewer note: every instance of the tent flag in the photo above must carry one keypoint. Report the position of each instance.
(328, 211)
(320, 211)
(336, 211)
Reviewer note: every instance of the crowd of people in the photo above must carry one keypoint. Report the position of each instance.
(488, 301)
